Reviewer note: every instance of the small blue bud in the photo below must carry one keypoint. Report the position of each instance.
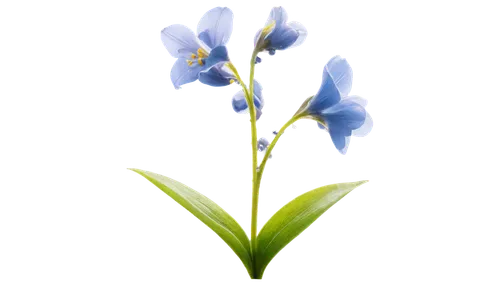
(272, 52)
(258, 60)
(262, 144)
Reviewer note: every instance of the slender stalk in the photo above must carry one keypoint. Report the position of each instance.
(255, 188)
(256, 172)
(249, 100)
(237, 75)
(253, 123)
(271, 146)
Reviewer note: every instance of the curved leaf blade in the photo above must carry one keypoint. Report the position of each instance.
(208, 212)
(295, 217)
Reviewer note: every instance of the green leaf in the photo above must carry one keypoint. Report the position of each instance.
(208, 212)
(295, 217)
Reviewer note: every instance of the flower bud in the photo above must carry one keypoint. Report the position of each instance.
(262, 144)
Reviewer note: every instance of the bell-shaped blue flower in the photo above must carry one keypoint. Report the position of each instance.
(203, 54)
(240, 105)
(278, 34)
(343, 115)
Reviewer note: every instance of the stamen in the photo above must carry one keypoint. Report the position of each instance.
(231, 81)
(202, 53)
(190, 63)
(193, 56)
(200, 61)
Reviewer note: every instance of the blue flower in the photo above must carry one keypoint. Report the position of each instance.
(277, 34)
(341, 114)
(201, 57)
(241, 106)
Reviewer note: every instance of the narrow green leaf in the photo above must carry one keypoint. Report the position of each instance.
(208, 212)
(295, 217)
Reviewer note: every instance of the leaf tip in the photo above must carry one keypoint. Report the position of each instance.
(361, 182)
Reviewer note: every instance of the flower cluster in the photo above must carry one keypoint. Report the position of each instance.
(204, 57)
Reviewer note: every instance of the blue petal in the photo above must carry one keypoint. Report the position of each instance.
(259, 100)
(321, 126)
(215, 27)
(340, 141)
(180, 41)
(347, 114)
(182, 73)
(216, 56)
(341, 73)
(282, 38)
(216, 76)
(327, 96)
(239, 102)
(301, 30)
(205, 38)
(365, 128)
(279, 15)
(367, 125)
(342, 118)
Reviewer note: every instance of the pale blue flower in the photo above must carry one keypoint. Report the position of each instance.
(205, 54)
(278, 34)
(241, 106)
(343, 115)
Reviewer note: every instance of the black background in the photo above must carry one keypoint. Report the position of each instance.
(194, 135)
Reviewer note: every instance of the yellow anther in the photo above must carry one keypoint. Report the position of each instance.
(202, 53)
(200, 62)
(190, 63)
(267, 29)
(193, 56)
(231, 81)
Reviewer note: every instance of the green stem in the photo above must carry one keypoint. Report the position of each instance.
(255, 188)
(253, 123)
(271, 146)
(237, 75)
(257, 172)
